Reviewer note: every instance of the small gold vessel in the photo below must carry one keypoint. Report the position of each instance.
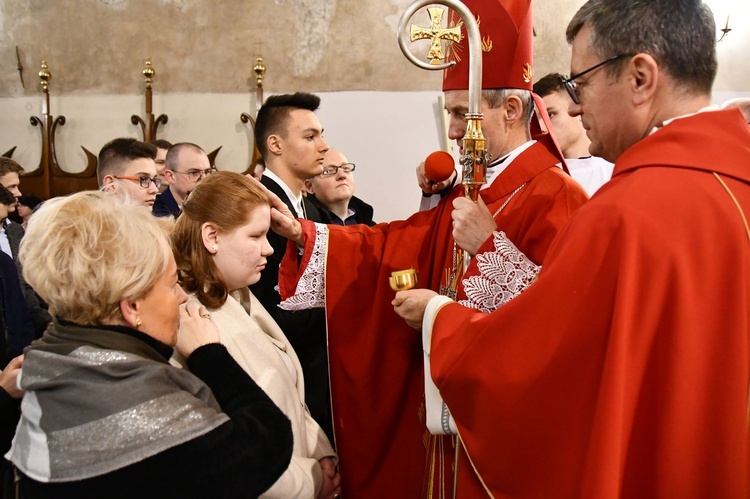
(402, 280)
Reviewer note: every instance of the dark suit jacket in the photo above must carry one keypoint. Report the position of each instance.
(17, 330)
(306, 329)
(38, 311)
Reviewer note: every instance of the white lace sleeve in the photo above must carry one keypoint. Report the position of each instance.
(310, 292)
(503, 275)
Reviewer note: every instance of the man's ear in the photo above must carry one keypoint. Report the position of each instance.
(210, 237)
(513, 109)
(309, 187)
(168, 175)
(643, 72)
(108, 183)
(273, 144)
(130, 311)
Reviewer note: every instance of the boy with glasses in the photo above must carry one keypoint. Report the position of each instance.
(185, 164)
(126, 166)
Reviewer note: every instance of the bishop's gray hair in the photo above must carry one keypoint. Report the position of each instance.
(679, 34)
(496, 96)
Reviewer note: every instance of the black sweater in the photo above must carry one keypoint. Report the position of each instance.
(241, 458)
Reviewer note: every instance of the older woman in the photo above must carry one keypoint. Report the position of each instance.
(221, 247)
(104, 414)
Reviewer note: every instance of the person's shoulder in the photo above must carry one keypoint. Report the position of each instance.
(164, 204)
(14, 228)
(314, 200)
(275, 187)
(363, 210)
(316, 211)
(556, 175)
(589, 163)
(165, 197)
(270, 183)
(597, 161)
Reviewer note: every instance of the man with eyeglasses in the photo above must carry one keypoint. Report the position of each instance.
(185, 164)
(333, 192)
(126, 166)
(622, 371)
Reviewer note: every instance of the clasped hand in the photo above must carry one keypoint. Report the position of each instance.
(473, 224)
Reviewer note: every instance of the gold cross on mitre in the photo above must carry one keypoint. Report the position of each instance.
(436, 33)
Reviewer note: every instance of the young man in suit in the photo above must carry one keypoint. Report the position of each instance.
(290, 139)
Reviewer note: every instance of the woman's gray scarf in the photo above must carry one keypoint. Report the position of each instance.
(98, 400)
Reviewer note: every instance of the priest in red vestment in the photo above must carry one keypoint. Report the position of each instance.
(376, 365)
(622, 371)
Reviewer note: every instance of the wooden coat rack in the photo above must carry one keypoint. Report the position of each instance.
(259, 70)
(149, 126)
(50, 180)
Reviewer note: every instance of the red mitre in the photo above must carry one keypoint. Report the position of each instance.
(506, 31)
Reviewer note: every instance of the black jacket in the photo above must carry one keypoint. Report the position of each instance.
(16, 326)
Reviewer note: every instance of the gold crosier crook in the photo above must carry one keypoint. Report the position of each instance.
(475, 157)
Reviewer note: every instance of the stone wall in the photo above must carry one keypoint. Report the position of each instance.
(206, 46)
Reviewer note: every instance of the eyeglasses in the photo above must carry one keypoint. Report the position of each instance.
(571, 86)
(144, 182)
(333, 169)
(195, 175)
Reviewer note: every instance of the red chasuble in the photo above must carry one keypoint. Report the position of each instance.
(623, 370)
(375, 359)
